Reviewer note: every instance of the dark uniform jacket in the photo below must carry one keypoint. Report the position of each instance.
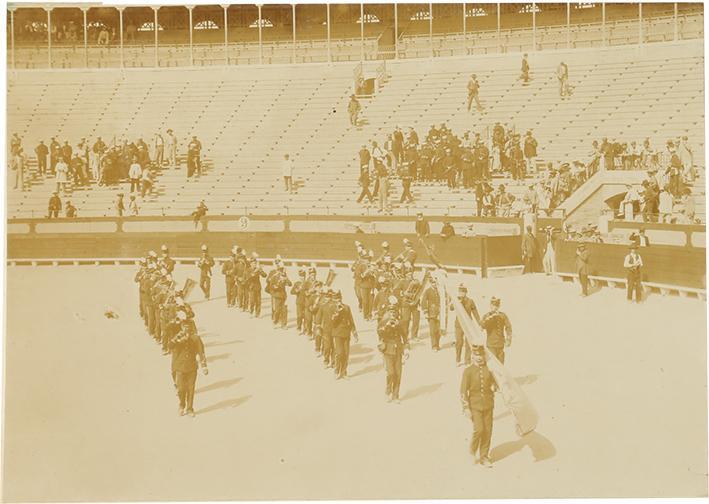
(496, 323)
(470, 309)
(342, 322)
(187, 347)
(477, 388)
(431, 302)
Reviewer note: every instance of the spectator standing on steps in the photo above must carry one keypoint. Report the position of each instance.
(473, 91)
(171, 148)
(287, 166)
(562, 73)
(525, 70)
(42, 151)
(55, 206)
(353, 109)
(135, 173)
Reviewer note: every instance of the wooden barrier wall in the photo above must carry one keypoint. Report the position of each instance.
(664, 264)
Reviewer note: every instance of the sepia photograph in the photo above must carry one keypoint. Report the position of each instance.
(354, 251)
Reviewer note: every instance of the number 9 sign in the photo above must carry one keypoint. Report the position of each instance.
(244, 223)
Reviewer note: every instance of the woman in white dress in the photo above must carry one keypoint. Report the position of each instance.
(62, 171)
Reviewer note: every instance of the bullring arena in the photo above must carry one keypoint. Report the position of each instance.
(609, 395)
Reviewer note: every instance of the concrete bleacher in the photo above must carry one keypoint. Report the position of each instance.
(247, 119)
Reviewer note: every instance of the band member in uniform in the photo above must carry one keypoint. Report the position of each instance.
(358, 268)
(187, 349)
(392, 344)
(369, 279)
(472, 311)
(410, 302)
(253, 286)
(228, 270)
(278, 290)
(409, 254)
(477, 394)
(317, 308)
(205, 265)
(166, 261)
(498, 328)
(381, 299)
(311, 297)
(431, 306)
(142, 270)
(298, 291)
(242, 273)
(342, 328)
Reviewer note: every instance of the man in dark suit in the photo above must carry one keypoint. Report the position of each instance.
(205, 265)
(477, 394)
(342, 328)
(633, 266)
(422, 227)
(42, 151)
(431, 306)
(529, 250)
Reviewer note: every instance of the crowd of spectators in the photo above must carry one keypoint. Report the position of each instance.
(665, 195)
(122, 163)
(465, 163)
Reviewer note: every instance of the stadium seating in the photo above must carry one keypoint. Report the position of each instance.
(247, 120)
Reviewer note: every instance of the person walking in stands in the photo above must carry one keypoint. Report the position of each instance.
(159, 144)
(525, 71)
(194, 164)
(498, 328)
(473, 91)
(383, 179)
(62, 175)
(55, 206)
(422, 227)
(70, 211)
(132, 205)
(205, 265)
(633, 266)
(66, 151)
(120, 205)
(530, 152)
(353, 109)
(529, 250)
(562, 73)
(17, 164)
(583, 259)
(287, 167)
(406, 187)
(199, 212)
(477, 395)
(54, 153)
(171, 148)
(41, 151)
(364, 158)
(135, 173)
(364, 182)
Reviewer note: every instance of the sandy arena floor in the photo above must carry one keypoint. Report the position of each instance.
(91, 413)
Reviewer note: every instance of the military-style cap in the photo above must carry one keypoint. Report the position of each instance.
(204, 248)
(462, 288)
(495, 300)
(479, 350)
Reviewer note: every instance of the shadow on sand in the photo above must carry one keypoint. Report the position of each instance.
(542, 448)
(228, 403)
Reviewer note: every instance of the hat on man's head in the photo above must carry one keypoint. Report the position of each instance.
(479, 350)
(204, 248)
(462, 288)
(495, 300)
